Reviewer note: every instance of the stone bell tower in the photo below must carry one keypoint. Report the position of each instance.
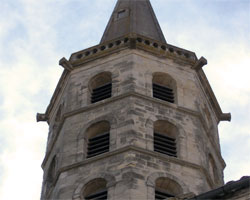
(132, 117)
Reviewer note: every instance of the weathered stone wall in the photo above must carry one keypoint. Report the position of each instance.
(131, 166)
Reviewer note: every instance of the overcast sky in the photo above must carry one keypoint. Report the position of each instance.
(35, 34)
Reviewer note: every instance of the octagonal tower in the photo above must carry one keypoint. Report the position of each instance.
(132, 117)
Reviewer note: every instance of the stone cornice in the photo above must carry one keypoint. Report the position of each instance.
(57, 91)
(154, 154)
(211, 98)
(116, 98)
(131, 41)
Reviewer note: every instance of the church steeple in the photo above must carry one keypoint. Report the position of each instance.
(132, 118)
(133, 17)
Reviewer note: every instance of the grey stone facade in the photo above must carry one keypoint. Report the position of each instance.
(132, 169)
(131, 164)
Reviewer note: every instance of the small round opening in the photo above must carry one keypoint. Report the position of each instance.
(186, 55)
(118, 42)
(155, 45)
(79, 56)
(95, 50)
(139, 39)
(171, 50)
(102, 48)
(111, 45)
(125, 40)
(163, 47)
(87, 53)
(147, 42)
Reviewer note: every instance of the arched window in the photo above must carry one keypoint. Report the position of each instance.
(51, 174)
(52, 170)
(101, 87)
(166, 188)
(58, 114)
(165, 138)
(164, 87)
(98, 139)
(212, 168)
(95, 189)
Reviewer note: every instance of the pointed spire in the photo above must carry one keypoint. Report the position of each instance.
(133, 16)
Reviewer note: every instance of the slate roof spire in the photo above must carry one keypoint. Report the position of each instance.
(133, 17)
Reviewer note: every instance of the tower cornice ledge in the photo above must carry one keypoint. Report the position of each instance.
(125, 95)
(200, 63)
(41, 117)
(211, 98)
(154, 154)
(130, 41)
(66, 64)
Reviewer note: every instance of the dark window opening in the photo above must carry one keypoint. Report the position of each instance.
(159, 195)
(98, 145)
(163, 93)
(97, 195)
(164, 144)
(121, 14)
(101, 93)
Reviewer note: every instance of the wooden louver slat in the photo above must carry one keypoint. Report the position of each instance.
(165, 145)
(98, 195)
(159, 195)
(101, 93)
(163, 93)
(98, 145)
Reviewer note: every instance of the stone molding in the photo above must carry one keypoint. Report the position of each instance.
(111, 181)
(154, 176)
(116, 98)
(136, 149)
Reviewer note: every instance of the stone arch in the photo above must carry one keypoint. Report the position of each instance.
(109, 118)
(82, 139)
(95, 186)
(97, 81)
(166, 127)
(181, 131)
(180, 137)
(109, 178)
(169, 186)
(96, 128)
(212, 169)
(52, 169)
(58, 117)
(94, 131)
(168, 119)
(51, 175)
(167, 81)
(151, 181)
(58, 114)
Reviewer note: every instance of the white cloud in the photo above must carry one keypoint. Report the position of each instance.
(28, 67)
(20, 161)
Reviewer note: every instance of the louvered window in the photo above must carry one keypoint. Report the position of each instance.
(164, 144)
(102, 92)
(159, 195)
(163, 93)
(98, 195)
(98, 145)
